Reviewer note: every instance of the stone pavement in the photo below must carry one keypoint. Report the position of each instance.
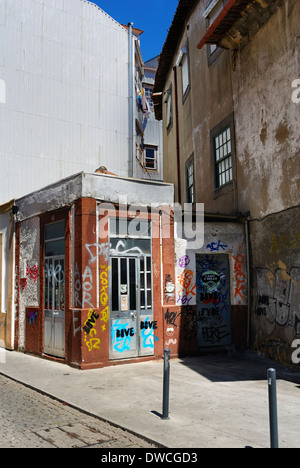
(216, 401)
(30, 419)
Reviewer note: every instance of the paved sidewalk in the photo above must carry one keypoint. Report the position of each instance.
(216, 401)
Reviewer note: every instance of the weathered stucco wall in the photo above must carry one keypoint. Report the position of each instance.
(275, 254)
(266, 118)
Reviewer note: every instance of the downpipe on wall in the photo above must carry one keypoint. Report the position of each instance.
(131, 84)
(248, 280)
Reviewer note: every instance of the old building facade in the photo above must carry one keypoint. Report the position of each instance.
(226, 90)
(85, 270)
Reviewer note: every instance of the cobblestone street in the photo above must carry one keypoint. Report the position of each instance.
(29, 419)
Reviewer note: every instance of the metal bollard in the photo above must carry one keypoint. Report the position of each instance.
(273, 408)
(166, 388)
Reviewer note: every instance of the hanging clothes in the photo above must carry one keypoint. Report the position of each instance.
(146, 107)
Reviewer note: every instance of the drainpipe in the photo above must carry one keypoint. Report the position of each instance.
(131, 84)
(177, 137)
(248, 279)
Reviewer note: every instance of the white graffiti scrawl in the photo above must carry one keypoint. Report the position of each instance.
(279, 296)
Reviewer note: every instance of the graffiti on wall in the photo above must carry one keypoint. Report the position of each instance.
(279, 297)
(216, 246)
(75, 319)
(32, 315)
(240, 278)
(169, 289)
(83, 286)
(213, 300)
(185, 319)
(104, 296)
(90, 335)
(95, 250)
(186, 282)
(32, 273)
(123, 335)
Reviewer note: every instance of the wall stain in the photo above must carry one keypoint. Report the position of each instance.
(282, 133)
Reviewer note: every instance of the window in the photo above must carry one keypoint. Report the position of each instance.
(54, 294)
(183, 62)
(150, 158)
(190, 191)
(211, 13)
(223, 157)
(148, 94)
(55, 239)
(169, 108)
(185, 74)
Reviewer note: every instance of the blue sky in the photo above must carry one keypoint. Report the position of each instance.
(154, 17)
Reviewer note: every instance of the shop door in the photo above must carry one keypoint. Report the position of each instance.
(54, 306)
(131, 318)
(213, 301)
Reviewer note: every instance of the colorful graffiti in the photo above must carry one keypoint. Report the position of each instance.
(123, 334)
(240, 278)
(213, 300)
(186, 287)
(32, 315)
(147, 333)
(104, 296)
(90, 330)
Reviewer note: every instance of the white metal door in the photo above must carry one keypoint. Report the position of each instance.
(131, 318)
(54, 291)
(54, 312)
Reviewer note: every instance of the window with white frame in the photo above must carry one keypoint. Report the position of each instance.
(183, 62)
(148, 94)
(150, 157)
(211, 13)
(169, 108)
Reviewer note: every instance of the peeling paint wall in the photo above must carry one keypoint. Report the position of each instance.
(266, 118)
